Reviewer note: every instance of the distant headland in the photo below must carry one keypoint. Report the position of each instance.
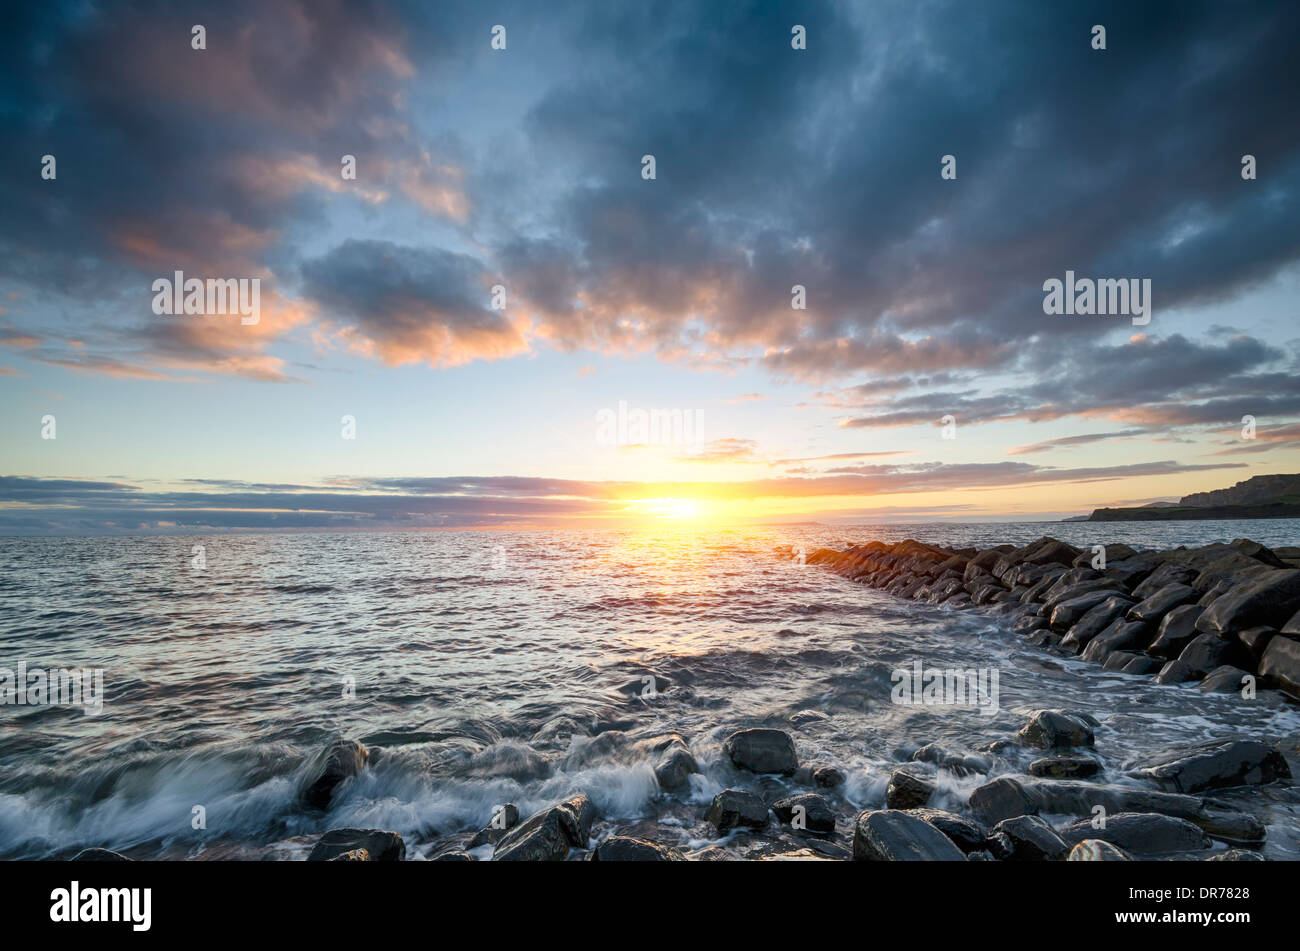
(1264, 496)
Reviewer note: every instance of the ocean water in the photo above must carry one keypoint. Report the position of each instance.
(492, 667)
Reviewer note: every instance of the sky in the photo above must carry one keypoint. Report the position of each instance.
(443, 340)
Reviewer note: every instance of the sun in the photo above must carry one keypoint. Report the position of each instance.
(668, 508)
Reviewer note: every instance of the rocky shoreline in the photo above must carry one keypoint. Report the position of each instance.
(1222, 618)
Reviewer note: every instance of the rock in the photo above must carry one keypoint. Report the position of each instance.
(507, 817)
(1052, 729)
(711, 853)
(1141, 833)
(675, 769)
(733, 808)
(99, 855)
(1292, 626)
(1162, 602)
(1223, 680)
(1097, 850)
(342, 760)
(1028, 624)
(1068, 613)
(1121, 635)
(1280, 666)
(1267, 599)
(380, 846)
(1167, 574)
(1031, 840)
(1175, 672)
(800, 717)
(906, 790)
(1006, 798)
(895, 836)
(1141, 664)
(1235, 855)
(547, 836)
(1206, 652)
(356, 855)
(624, 848)
(1065, 767)
(963, 764)
(967, 835)
(1255, 640)
(1216, 591)
(807, 808)
(827, 777)
(1232, 826)
(453, 855)
(1176, 631)
(1095, 621)
(762, 751)
(1220, 764)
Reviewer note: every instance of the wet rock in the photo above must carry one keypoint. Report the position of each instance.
(1235, 855)
(453, 855)
(1175, 672)
(547, 836)
(356, 855)
(342, 760)
(504, 819)
(1217, 765)
(732, 808)
(963, 764)
(1028, 624)
(1141, 664)
(966, 834)
(381, 846)
(1068, 613)
(1031, 840)
(711, 853)
(827, 777)
(907, 790)
(1267, 599)
(896, 836)
(1157, 605)
(806, 811)
(1053, 729)
(625, 848)
(800, 717)
(1218, 589)
(1121, 635)
(1231, 825)
(1176, 631)
(675, 769)
(1280, 666)
(1065, 767)
(1097, 850)
(762, 751)
(1006, 798)
(99, 855)
(1141, 833)
(1223, 680)
(1255, 640)
(1167, 574)
(1095, 621)
(1206, 652)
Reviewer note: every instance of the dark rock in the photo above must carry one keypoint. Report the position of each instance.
(507, 818)
(1005, 798)
(675, 769)
(381, 846)
(1068, 613)
(547, 836)
(1175, 672)
(762, 751)
(99, 855)
(1280, 666)
(1268, 599)
(356, 855)
(1206, 652)
(963, 764)
(1121, 635)
(896, 836)
(1223, 680)
(624, 848)
(1235, 855)
(1028, 624)
(1157, 605)
(1176, 631)
(1097, 850)
(1053, 729)
(966, 834)
(1217, 765)
(453, 855)
(827, 777)
(1217, 590)
(1031, 840)
(1141, 664)
(907, 790)
(1095, 621)
(1163, 576)
(1231, 825)
(806, 811)
(732, 808)
(1065, 767)
(342, 760)
(1255, 640)
(1141, 833)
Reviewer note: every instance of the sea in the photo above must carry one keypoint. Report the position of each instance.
(486, 667)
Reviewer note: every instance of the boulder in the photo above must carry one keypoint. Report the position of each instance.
(1031, 839)
(1267, 599)
(805, 811)
(548, 835)
(1097, 850)
(1217, 765)
(891, 835)
(1065, 767)
(1280, 665)
(1068, 613)
(356, 855)
(506, 819)
(733, 808)
(1006, 798)
(1176, 631)
(1098, 619)
(1224, 680)
(762, 751)
(341, 760)
(827, 777)
(907, 790)
(1175, 672)
(963, 764)
(966, 834)
(1167, 574)
(1255, 640)
(1231, 825)
(380, 846)
(1141, 664)
(1207, 651)
(1053, 729)
(674, 770)
(1121, 635)
(1141, 833)
(1157, 605)
(625, 848)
